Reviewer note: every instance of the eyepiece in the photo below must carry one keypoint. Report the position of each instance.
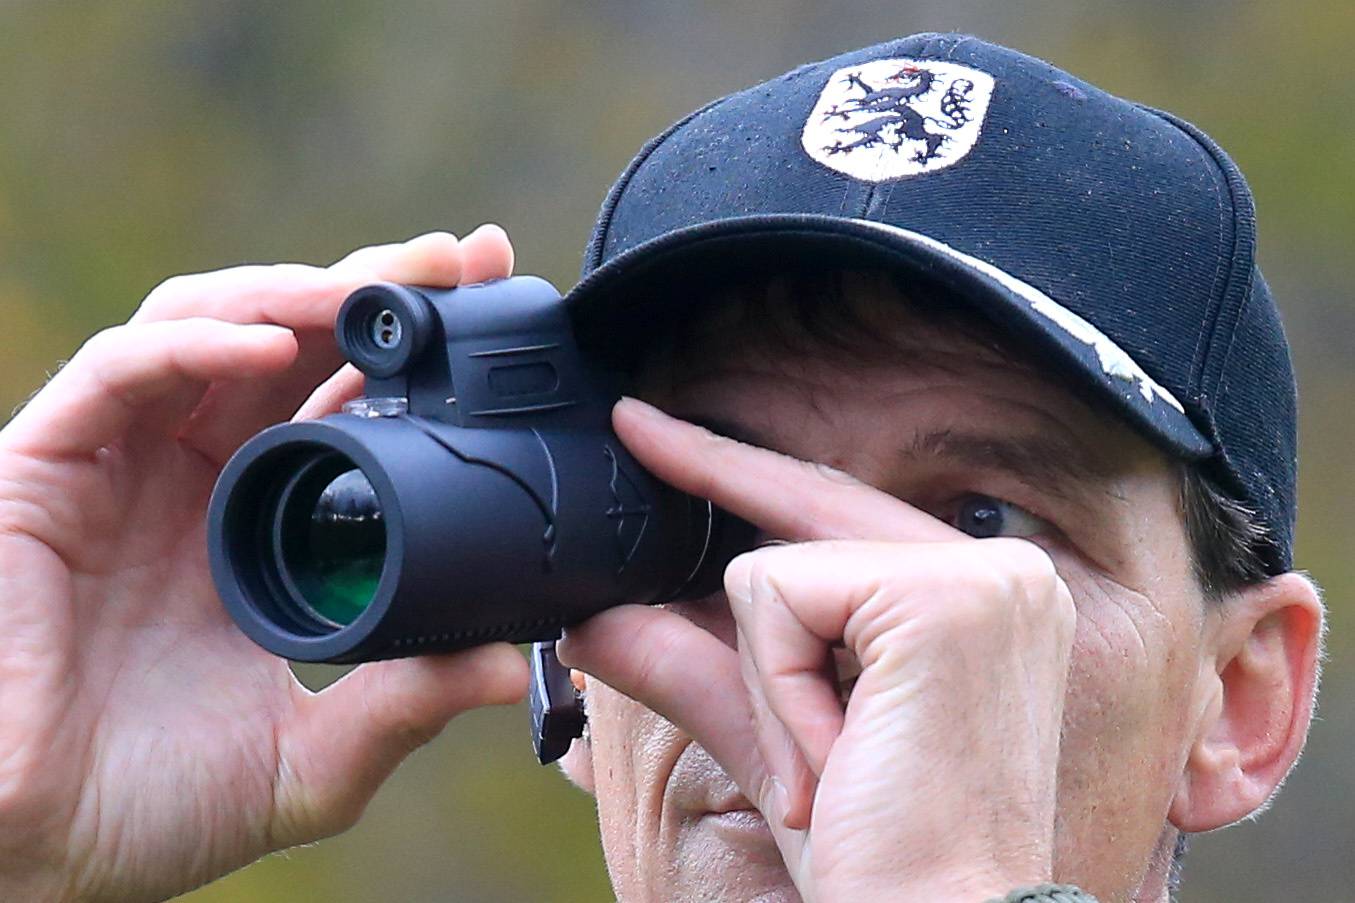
(383, 328)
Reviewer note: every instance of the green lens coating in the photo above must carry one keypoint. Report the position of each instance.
(334, 543)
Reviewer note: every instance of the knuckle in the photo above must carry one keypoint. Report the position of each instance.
(167, 294)
(763, 572)
(756, 584)
(96, 360)
(986, 573)
(365, 256)
(1033, 580)
(1029, 565)
(969, 612)
(1006, 578)
(655, 649)
(105, 343)
(292, 272)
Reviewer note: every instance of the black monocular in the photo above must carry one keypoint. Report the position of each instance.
(476, 492)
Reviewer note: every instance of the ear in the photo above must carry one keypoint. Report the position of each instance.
(1258, 702)
(577, 764)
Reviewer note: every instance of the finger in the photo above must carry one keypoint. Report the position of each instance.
(647, 654)
(308, 297)
(434, 258)
(795, 602)
(332, 394)
(143, 372)
(486, 254)
(437, 258)
(233, 411)
(788, 498)
(229, 417)
(345, 741)
(790, 663)
(290, 294)
(784, 758)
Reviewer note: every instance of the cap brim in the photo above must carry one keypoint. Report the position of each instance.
(623, 305)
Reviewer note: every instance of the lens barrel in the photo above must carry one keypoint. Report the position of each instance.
(358, 538)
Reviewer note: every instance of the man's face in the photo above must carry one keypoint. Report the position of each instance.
(951, 427)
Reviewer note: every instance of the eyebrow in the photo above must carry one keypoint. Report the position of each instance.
(1045, 460)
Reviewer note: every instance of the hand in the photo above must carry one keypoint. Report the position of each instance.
(937, 779)
(146, 746)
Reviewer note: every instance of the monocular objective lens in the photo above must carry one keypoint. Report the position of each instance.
(334, 543)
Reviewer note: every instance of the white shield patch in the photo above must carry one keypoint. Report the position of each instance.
(887, 119)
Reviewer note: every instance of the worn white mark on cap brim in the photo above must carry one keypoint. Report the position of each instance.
(1115, 361)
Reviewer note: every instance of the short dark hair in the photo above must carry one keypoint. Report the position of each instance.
(1227, 539)
(808, 309)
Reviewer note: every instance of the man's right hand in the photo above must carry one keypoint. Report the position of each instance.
(146, 746)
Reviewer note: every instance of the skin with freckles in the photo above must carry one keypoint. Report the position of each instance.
(1156, 693)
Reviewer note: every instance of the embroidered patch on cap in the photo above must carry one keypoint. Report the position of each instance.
(888, 119)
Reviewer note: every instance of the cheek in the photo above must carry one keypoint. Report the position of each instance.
(633, 748)
(1135, 659)
(1125, 733)
(633, 751)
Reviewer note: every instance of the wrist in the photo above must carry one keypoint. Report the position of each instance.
(969, 888)
(1046, 893)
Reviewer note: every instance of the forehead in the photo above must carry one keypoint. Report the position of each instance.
(864, 352)
(844, 317)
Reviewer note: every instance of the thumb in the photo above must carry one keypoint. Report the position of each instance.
(343, 742)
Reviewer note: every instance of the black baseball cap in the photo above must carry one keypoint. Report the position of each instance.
(1115, 241)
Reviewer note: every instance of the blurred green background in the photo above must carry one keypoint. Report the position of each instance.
(144, 138)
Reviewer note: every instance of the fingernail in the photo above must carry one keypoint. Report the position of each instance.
(564, 648)
(483, 227)
(780, 800)
(641, 409)
(738, 579)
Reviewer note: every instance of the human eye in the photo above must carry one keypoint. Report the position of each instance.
(983, 516)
